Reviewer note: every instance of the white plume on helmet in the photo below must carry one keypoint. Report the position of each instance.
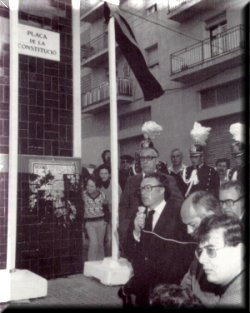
(200, 133)
(151, 129)
(237, 131)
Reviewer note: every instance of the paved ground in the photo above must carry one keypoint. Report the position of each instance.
(75, 290)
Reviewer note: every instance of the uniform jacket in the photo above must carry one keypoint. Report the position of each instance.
(208, 179)
(237, 173)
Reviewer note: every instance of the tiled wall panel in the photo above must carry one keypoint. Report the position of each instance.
(45, 91)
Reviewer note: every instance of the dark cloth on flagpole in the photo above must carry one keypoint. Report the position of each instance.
(127, 43)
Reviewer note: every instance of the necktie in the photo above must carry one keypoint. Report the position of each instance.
(149, 220)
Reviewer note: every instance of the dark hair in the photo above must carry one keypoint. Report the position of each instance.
(151, 148)
(173, 296)
(231, 225)
(233, 184)
(103, 166)
(103, 154)
(163, 180)
(225, 160)
(206, 200)
(127, 157)
(93, 178)
(176, 149)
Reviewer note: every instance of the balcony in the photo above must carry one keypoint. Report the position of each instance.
(95, 52)
(91, 13)
(97, 99)
(181, 10)
(208, 57)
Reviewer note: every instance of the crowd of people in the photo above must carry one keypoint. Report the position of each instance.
(181, 227)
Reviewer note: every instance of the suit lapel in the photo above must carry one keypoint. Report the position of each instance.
(162, 220)
(166, 223)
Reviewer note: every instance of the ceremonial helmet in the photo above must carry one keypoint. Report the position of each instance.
(238, 144)
(199, 135)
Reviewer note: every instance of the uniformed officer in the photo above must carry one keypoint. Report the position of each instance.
(238, 152)
(200, 176)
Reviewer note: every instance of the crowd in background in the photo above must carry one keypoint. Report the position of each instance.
(190, 251)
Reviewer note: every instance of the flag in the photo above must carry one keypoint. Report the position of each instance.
(127, 42)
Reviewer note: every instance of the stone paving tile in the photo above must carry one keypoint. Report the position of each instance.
(75, 290)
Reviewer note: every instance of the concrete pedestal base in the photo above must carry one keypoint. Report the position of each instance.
(108, 271)
(20, 285)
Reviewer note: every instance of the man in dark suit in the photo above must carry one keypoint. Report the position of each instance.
(237, 130)
(157, 244)
(131, 200)
(238, 172)
(200, 176)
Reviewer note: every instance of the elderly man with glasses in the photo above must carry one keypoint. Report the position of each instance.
(221, 253)
(157, 244)
(232, 200)
(131, 200)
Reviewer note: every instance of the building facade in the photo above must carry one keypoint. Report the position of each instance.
(194, 49)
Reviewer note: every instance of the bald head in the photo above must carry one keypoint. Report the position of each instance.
(196, 207)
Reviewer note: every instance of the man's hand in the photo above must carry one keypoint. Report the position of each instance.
(139, 223)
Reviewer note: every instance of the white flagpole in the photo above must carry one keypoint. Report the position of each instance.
(113, 136)
(112, 270)
(13, 138)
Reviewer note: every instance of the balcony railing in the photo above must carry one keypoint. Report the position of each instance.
(175, 4)
(94, 46)
(223, 43)
(101, 93)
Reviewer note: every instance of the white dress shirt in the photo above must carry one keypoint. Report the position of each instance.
(158, 210)
(157, 213)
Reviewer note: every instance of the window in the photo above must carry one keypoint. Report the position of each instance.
(85, 36)
(126, 70)
(86, 83)
(151, 9)
(221, 94)
(218, 39)
(134, 119)
(217, 26)
(152, 56)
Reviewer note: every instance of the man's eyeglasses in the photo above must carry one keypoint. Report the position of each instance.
(149, 188)
(147, 158)
(210, 251)
(230, 202)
